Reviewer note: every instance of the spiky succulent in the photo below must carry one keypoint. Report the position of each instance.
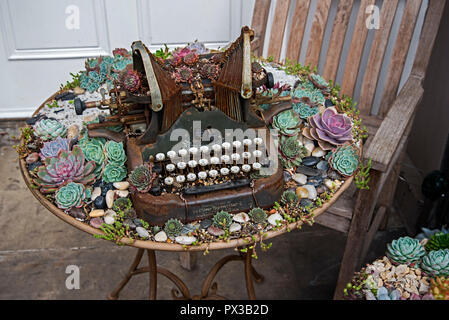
(304, 110)
(287, 122)
(291, 152)
(141, 178)
(130, 80)
(122, 204)
(115, 153)
(191, 58)
(289, 198)
(48, 129)
(66, 167)
(173, 227)
(52, 148)
(222, 219)
(438, 241)
(114, 173)
(440, 288)
(258, 215)
(345, 159)
(209, 70)
(71, 196)
(405, 250)
(183, 74)
(436, 263)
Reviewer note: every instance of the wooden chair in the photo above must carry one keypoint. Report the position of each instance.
(359, 213)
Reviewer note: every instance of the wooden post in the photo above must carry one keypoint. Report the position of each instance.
(187, 260)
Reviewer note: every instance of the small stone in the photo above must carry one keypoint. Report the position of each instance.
(329, 184)
(161, 236)
(287, 176)
(311, 172)
(187, 228)
(311, 191)
(122, 193)
(129, 223)
(78, 90)
(380, 283)
(275, 217)
(77, 213)
(318, 152)
(109, 217)
(73, 132)
(322, 165)
(310, 161)
(137, 222)
(95, 193)
(96, 213)
(156, 190)
(124, 185)
(300, 178)
(234, 227)
(305, 202)
(105, 187)
(302, 192)
(32, 158)
(100, 202)
(142, 232)
(328, 103)
(110, 198)
(215, 231)
(96, 222)
(206, 223)
(185, 240)
(241, 217)
(334, 175)
(309, 145)
(315, 181)
(321, 189)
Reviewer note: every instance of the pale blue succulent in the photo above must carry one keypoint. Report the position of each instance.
(48, 129)
(384, 294)
(436, 263)
(319, 80)
(304, 110)
(427, 233)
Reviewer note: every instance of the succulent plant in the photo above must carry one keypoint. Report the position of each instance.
(93, 151)
(291, 152)
(330, 128)
(198, 47)
(222, 219)
(439, 287)
(287, 122)
(122, 204)
(173, 227)
(141, 178)
(123, 52)
(384, 294)
(48, 129)
(258, 215)
(436, 263)
(66, 167)
(405, 250)
(318, 81)
(129, 79)
(190, 58)
(289, 198)
(209, 70)
(115, 152)
(304, 110)
(306, 92)
(52, 148)
(345, 160)
(353, 290)
(183, 74)
(427, 233)
(71, 196)
(438, 241)
(114, 173)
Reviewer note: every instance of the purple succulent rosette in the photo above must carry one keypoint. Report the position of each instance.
(52, 148)
(330, 128)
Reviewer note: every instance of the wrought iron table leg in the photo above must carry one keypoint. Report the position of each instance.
(153, 273)
(249, 272)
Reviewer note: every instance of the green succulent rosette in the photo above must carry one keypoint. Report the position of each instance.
(345, 159)
(289, 198)
(114, 173)
(93, 151)
(222, 220)
(49, 129)
(436, 263)
(115, 153)
(287, 122)
(291, 152)
(405, 250)
(304, 110)
(258, 215)
(173, 227)
(307, 91)
(438, 241)
(71, 196)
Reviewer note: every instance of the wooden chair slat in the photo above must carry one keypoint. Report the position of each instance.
(259, 24)
(297, 30)
(278, 28)
(376, 56)
(355, 50)
(399, 55)
(317, 33)
(337, 39)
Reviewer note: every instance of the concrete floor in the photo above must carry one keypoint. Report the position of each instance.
(36, 248)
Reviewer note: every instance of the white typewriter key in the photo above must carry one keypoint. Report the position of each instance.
(182, 152)
(257, 166)
(246, 155)
(247, 142)
(216, 147)
(192, 163)
(202, 175)
(214, 160)
(235, 169)
(224, 171)
(258, 141)
(246, 168)
(237, 144)
(170, 167)
(180, 179)
(257, 153)
(204, 149)
(181, 165)
(160, 157)
(213, 173)
(226, 145)
(171, 154)
(203, 162)
(168, 181)
(225, 158)
(235, 157)
(191, 177)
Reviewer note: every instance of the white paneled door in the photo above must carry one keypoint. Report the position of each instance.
(42, 41)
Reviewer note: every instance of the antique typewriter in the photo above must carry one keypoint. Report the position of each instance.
(205, 139)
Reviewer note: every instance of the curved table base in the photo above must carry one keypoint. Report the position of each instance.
(181, 292)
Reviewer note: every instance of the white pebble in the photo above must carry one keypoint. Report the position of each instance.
(275, 217)
(241, 217)
(161, 236)
(185, 240)
(300, 178)
(312, 191)
(110, 198)
(96, 193)
(318, 152)
(234, 227)
(121, 185)
(109, 217)
(122, 193)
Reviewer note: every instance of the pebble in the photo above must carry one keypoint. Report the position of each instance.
(311, 191)
(77, 213)
(109, 217)
(95, 193)
(32, 158)
(300, 178)
(241, 217)
(234, 227)
(302, 192)
(73, 132)
(78, 90)
(310, 161)
(287, 176)
(96, 213)
(318, 152)
(185, 240)
(105, 187)
(315, 181)
(215, 231)
(328, 103)
(142, 232)
(309, 145)
(323, 165)
(130, 223)
(311, 172)
(305, 202)
(321, 189)
(206, 223)
(161, 236)
(110, 198)
(334, 175)
(329, 184)
(122, 193)
(275, 217)
(156, 190)
(100, 202)
(187, 228)
(96, 222)
(121, 185)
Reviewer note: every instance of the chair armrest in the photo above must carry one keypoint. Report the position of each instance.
(388, 137)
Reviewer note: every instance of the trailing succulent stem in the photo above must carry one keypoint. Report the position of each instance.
(362, 177)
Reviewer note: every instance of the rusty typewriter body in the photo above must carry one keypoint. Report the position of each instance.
(210, 148)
